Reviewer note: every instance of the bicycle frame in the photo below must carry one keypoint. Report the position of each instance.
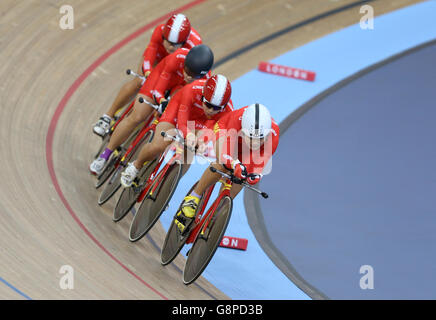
(147, 127)
(151, 179)
(202, 221)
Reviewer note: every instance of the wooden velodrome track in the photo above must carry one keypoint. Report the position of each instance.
(49, 215)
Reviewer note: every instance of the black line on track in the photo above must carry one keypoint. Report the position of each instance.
(133, 211)
(286, 30)
(180, 270)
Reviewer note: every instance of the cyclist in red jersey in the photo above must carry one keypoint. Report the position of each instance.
(176, 70)
(176, 33)
(246, 139)
(192, 110)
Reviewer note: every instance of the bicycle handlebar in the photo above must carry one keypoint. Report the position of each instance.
(141, 99)
(154, 106)
(214, 170)
(236, 180)
(133, 73)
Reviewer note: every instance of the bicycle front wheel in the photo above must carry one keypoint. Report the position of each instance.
(153, 205)
(111, 187)
(174, 239)
(207, 242)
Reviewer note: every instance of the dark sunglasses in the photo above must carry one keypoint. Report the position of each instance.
(211, 106)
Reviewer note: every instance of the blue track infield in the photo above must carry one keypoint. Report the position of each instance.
(359, 166)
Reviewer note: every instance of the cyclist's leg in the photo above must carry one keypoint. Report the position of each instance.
(156, 147)
(148, 152)
(139, 113)
(208, 178)
(188, 156)
(127, 92)
(236, 188)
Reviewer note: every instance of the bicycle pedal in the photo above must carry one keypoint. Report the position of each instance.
(204, 235)
(180, 226)
(149, 196)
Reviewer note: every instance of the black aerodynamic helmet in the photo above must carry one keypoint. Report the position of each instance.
(199, 61)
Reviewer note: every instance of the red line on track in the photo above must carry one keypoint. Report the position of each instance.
(58, 112)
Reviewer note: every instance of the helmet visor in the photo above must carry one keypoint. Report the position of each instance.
(212, 106)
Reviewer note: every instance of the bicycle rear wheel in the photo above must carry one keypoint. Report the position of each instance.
(114, 182)
(128, 197)
(207, 242)
(151, 209)
(174, 239)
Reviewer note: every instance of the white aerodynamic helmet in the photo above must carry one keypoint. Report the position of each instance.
(256, 121)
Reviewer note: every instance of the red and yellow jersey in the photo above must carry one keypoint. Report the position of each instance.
(155, 50)
(167, 75)
(230, 126)
(187, 106)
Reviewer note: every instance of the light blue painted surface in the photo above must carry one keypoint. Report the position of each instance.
(14, 289)
(250, 274)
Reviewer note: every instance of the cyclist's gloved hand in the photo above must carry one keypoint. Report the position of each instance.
(190, 140)
(162, 106)
(202, 148)
(253, 178)
(239, 170)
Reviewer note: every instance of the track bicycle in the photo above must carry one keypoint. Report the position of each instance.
(153, 189)
(207, 230)
(119, 161)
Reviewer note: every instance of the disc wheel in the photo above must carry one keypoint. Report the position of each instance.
(128, 197)
(151, 209)
(174, 239)
(207, 242)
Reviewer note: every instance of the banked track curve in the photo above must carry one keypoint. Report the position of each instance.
(38, 62)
